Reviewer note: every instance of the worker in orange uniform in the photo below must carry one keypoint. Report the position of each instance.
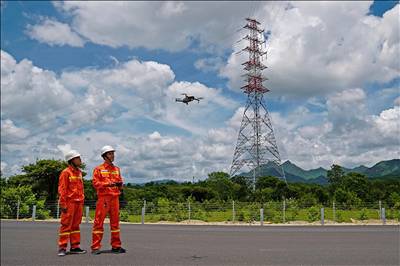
(108, 182)
(71, 196)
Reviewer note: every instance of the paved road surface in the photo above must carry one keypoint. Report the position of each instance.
(35, 243)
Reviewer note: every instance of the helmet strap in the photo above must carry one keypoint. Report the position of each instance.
(105, 157)
(73, 164)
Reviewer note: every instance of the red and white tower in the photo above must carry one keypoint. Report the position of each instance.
(256, 145)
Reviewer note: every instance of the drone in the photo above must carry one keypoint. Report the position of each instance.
(188, 99)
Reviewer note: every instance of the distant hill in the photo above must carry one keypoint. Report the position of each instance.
(384, 168)
(293, 173)
(155, 182)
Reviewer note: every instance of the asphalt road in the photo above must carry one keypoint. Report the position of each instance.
(35, 243)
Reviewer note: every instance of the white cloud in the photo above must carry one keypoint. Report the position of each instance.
(53, 32)
(64, 148)
(10, 132)
(236, 120)
(30, 93)
(348, 137)
(171, 8)
(3, 165)
(208, 64)
(189, 21)
(325, 47)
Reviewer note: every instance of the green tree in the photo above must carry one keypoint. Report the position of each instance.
(341, 196)
(336, 175)
(172, 183)
(220, 183)
(267, 181)
(9, 199)
(20, 180)
(321, 195)
(45, 175)
(89, 190)
(358, 184)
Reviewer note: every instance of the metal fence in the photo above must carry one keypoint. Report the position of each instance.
(239, 212)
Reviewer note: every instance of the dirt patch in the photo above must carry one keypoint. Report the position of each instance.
(291, 223)
(255, 223)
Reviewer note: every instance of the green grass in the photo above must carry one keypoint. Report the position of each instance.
(224, 216)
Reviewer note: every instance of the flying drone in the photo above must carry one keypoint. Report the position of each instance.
(188, 99)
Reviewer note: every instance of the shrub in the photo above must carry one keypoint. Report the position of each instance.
(313, 214)
(255, 211)
(164, 209)
(363, 214)
(134, 207)
(41, 213)
(123, 216)
(339, 216)
(392, 213)
(239, 214)
(293, 212)
(278, 217)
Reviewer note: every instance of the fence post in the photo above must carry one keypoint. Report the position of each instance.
(284, 206)
(143, 211)
(333, 212)
(87, 214)
(261, 216)
(58, 208)
(322, 216)
(233, 211)
(383, 216)
(18, 210)
(380, 210)
(33, 213)
(189, 211)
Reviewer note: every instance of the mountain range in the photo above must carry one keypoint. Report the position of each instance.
(293, 173)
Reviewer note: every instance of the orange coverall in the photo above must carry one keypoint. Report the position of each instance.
(71, 195)
(107, 203)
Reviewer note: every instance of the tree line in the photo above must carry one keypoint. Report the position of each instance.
(39, 184)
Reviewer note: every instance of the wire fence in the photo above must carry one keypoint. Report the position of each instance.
(266, 212)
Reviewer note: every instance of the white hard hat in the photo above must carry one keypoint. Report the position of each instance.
(71, 155)
(106, 148)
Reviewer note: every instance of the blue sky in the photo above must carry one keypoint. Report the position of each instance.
(81, 75)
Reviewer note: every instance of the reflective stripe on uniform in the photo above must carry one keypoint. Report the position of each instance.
(75, 232)
(63, 234)
(114, 231)
(79, 177)
(97, 232)
(115, 173)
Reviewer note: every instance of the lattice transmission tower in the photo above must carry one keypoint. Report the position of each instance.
(256, 145)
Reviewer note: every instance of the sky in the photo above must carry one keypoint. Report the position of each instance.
(82, 75)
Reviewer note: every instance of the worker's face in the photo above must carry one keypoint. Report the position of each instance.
(77, 161)
(110, 156)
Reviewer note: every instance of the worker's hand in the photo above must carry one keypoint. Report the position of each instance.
(64, 210)
(112, 184)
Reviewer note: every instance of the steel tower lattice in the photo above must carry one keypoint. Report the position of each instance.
(256, 145)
